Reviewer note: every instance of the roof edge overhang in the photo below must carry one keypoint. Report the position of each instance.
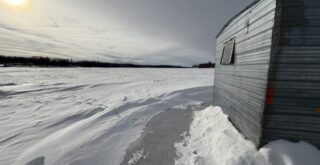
(231, 19)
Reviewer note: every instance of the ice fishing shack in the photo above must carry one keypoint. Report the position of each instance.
(267, 76)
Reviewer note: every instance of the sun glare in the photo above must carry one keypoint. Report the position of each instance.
(16, 3)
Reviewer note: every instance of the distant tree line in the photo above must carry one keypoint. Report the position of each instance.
(205, 65)
(39, 61)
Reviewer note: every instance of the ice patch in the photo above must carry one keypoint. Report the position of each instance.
(37, 161)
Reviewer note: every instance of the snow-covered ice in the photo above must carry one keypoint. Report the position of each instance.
(213, 140)
(81, 116)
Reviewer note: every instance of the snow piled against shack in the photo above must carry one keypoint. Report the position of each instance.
(213, 140)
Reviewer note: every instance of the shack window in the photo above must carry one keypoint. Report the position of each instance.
(228, 52)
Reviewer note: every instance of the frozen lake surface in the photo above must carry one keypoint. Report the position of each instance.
(78, 116)
(81, 116)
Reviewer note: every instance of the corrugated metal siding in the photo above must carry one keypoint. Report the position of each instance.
(296, 75)
(240, 88)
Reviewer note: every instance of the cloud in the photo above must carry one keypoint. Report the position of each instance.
(141, 31)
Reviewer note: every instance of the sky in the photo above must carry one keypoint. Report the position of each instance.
(175, 32)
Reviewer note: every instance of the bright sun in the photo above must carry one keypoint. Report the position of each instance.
(16, 3)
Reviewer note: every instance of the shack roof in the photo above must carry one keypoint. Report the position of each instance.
(227, 24)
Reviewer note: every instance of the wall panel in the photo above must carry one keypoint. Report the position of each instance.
(295, 113)
(240, 88)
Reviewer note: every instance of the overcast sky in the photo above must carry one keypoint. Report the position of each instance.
(179, 32)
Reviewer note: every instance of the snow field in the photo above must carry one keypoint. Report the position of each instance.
(81, 116)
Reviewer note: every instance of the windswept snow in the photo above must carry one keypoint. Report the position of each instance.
(80, 116)
(213, 140)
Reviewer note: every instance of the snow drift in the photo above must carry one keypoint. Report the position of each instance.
(213, 140)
